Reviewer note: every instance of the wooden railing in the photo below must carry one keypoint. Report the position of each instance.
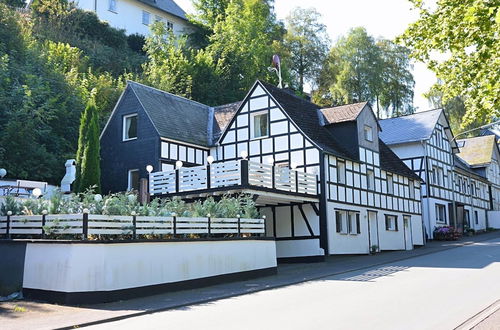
(133, 225)
(232, 173)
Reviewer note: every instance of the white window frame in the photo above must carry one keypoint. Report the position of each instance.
(124, 127)
(390, 184)
(352, 223)
(368, 133)
(343, 230)
(437, 208)
(411, 189)
(129, 178)
(341, 172)
(252, 125)
(370, 180)
(391, 222)
(112, 6)
(145, 14)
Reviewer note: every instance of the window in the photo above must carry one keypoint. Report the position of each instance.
(130, 127)
(476, 217)
(436, 175)
(158, 18)
(112, 5)
(340, 172)
(368, 133)
(370, 180)
(391, 222)
(170, 26)
(467, 218)
(390, 184)
(440, 213)
(260, 123)
(133, 180)
(412, 190)
(339, 222)
(354, 223)
(146, 17)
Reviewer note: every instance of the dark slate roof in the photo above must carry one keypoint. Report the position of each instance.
(224, 113)
(173, 116)
(306, 116)
(411, 128)
(168, 6)
(391, 162)
(342, 113)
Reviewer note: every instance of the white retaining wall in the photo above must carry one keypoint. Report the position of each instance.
(87, 267)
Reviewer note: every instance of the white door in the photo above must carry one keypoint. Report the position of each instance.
(373, 225)
(408, 232)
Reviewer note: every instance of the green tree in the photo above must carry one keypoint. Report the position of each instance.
(88, 154)
(307, 43)
(361, 68)
(14, 3)
(466, 34)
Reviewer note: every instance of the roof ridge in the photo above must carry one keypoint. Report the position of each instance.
(344, 105)
(185, 99)
(414, 114)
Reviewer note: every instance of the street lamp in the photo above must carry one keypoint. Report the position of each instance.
(270, 160)
(244, 154)
(37, 192)
(210, 159)
(3, 172)
(149, 169)
(179, 164)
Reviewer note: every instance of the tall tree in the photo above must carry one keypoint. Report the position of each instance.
(88, 154)
(361, 68)
(466, 34)
(307, 42)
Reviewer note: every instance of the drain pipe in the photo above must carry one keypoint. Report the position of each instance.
(427, 183)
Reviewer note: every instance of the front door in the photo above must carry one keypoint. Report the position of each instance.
(373, 232)
(408, 232)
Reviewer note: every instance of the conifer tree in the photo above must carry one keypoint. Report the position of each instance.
(88, 155)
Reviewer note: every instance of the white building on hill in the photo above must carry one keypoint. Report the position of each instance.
(135, 16)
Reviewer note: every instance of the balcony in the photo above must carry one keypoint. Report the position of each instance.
(233, 176)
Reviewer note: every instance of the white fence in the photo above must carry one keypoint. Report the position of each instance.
(93, 224)
(232, 173)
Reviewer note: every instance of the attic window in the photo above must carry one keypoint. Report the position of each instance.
(368, 133)
(130, 127)
(260, 125)
(146, 17)
(112, 5)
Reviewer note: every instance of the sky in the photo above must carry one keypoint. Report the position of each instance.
(381, 18)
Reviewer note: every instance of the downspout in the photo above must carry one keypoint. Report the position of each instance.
(323, 227)
(427, 183)
(453, 185)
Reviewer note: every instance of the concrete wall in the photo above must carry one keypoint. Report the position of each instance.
(80, 267)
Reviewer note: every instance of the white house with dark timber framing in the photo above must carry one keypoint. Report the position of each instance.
(322, 177)
(452, 193)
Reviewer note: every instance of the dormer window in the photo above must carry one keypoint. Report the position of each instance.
(130, 127)
(112, 5)
(260, 125)
(368, 133)
(146, 17)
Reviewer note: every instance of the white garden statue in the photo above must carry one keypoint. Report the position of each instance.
(69, 177)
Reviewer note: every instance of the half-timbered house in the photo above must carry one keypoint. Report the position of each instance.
(322, 177)
(451, 193)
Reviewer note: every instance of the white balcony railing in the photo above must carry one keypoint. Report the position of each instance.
(232, 173)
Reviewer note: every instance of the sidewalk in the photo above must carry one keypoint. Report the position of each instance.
(35, 315)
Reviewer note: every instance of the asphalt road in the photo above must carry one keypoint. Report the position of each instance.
(435, 291)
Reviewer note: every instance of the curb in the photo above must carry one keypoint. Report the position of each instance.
(479, 317)
(270, 287)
